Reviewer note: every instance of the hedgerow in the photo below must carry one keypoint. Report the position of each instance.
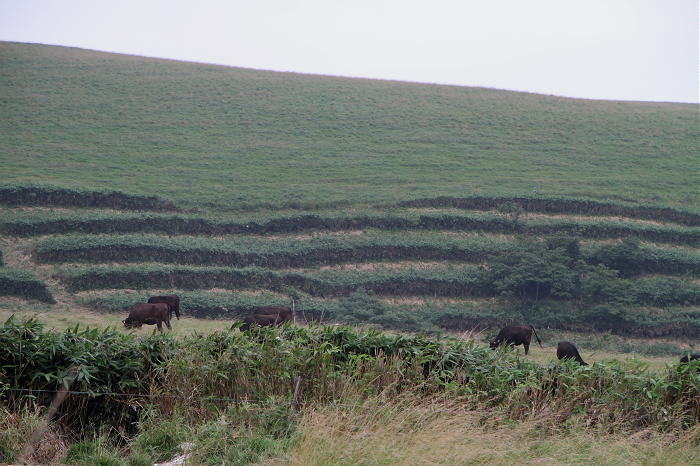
(25, 284)
(457, 282)
(43, 224)
(28, 195)
(562, 205)
(246, 251)
(463, 281)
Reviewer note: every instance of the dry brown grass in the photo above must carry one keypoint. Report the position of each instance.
(415, 431)
(16, 430)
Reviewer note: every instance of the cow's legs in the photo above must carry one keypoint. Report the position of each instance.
(167, 322)
(527, 347)
(160, 327)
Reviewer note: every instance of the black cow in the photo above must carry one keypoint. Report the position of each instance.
(171, 300)
(567, 350)
(281, 313)
(262, 321)
(690, 357)
(148, 314)
(514, 335)
(268, 316)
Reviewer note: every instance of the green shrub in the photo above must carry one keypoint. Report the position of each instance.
(260, 367)
(25, 284)
(535, 271)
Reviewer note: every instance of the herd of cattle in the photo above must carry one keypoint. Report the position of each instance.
(160, 309)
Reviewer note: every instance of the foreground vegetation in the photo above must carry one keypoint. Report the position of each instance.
(267, 392)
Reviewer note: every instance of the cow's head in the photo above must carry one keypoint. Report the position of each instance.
(131, 323)
(493, 344)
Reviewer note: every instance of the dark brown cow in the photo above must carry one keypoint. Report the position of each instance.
(514, 335)
(148, 314)
(268, 316)
(567, 350)
(690, 357)
(262, 321)
(282, 313)
(171, 300)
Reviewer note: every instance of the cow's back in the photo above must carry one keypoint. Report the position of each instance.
(145, 312)
(171, 300)
(281, 313)
(517, 333)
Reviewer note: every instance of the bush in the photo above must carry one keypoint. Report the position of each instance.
(533, 272)
(625, 257)
(64, 197)
(14, 282)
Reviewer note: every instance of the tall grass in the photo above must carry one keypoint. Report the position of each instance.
(415, 430)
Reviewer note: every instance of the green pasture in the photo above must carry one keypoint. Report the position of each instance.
(214, 137)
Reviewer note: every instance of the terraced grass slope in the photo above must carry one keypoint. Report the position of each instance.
(406, 206)
(227, 138)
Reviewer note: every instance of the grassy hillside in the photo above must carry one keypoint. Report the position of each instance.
(227, 138)
(406, 206)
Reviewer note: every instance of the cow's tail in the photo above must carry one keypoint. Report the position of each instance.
(539, 342)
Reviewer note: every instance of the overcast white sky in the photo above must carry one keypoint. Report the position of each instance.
(600, 49)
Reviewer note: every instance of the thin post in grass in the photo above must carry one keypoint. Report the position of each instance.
(295, 397)
(39, 431)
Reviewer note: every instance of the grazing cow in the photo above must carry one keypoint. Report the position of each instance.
(514, 335)
(262, 321)
(148, 314)
(281, 313)
(268, 316)
(171, 300)
(567, 350)
(690, 357)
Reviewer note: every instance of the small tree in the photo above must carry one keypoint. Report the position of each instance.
(625, 257)
(535, 272)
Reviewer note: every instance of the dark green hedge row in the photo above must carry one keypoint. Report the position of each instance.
(562, 205)
(450, 282)
(245, 252)
(458, 282)
(23, 284)
(64, 197)
(180, 225)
